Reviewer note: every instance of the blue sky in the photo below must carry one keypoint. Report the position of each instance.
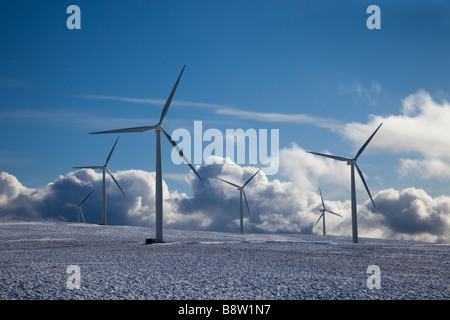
(313, 58)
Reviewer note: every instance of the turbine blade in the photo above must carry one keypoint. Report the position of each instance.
(246, 202)
(86, 198)
(109, 156)
(367, 142)
(180, 152)
(82, 215)
(115, 181)
(323, 204)
(234, 185)
(333, 212)
(169, 100)
(330, 156)
(365, 184)
(319, 219)
(134, 129)
(251, 178)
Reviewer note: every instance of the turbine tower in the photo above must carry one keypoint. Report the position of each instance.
(323, 210)
(78, 207)
(158, 129)
(352, 163)
(242, 192)
(104, 168)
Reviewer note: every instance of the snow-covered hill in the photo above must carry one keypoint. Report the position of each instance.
(114, 263)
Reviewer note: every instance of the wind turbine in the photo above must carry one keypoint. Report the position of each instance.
(158, 129)
(242, 192)
(352, 163)
(104, 168)
(323, 210)
(78, 206)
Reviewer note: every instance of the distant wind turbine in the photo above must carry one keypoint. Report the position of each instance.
(78, 207)
(242, 192)
(323, 210)
(353, 164)
(104, 168)
(158, 129)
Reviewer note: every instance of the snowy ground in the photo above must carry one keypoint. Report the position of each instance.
(115, 263)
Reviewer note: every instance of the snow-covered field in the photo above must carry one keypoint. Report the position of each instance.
(114, 263)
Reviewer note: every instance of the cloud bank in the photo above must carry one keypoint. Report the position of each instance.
(283, 206)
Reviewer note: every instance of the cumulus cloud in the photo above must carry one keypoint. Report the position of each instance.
(18, 201)
(406, 214)
(293, 205)
(429, 168)
(410, 214)
(138, 208)
(220, 201)
(10, 188)
(420, 128)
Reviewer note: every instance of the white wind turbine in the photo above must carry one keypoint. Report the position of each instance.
(78, 207)
(353, 164)
(242, 192)
(323, 210)
(158, 129)
(104, 168)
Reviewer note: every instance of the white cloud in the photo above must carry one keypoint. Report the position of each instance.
(293, 205)
(157, 102)
(137, 208)
(410, 214)
(430, 168)
(11, 188)
(308, 171)
(422, 127)
(18, 201)
(226, 110)
(221, 201)
(281, 117)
